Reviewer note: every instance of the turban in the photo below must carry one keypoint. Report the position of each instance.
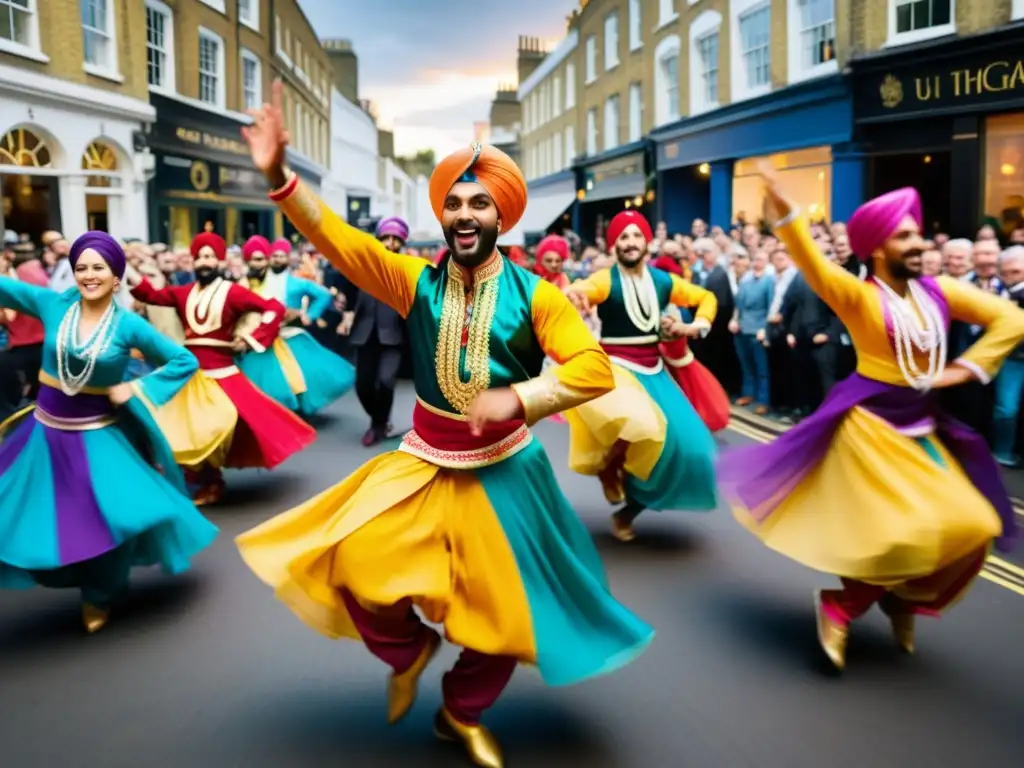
(204, 239)
(281, 246)
(107, 247)
(622, 220)
(256, 244)
(490, 168)
(554, 243)
(395, 226)
(876, 221)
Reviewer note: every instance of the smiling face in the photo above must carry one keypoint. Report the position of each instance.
(279, 261)
(631, 246)
(94, 276)
(901, 253)
(471, 223)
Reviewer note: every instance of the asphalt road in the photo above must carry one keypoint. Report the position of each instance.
(209, 671)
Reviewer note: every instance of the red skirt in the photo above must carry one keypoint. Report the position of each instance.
(699, 385)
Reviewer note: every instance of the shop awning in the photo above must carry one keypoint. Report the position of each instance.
(625, 186)
(542, 209)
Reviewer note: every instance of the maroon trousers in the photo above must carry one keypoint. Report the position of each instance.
(469, 688)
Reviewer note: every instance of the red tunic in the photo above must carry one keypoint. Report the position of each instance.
(267, 433)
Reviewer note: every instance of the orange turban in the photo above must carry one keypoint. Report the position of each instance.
(493, 170)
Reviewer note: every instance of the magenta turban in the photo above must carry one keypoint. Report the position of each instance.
(107, 247)
(394, 226)
(876, 221)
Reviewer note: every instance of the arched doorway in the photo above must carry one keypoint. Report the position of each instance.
(29, 199)
(100, 160)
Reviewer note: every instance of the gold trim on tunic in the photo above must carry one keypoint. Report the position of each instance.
(497, 452)
(78, 424)
(54, 383)
(631, 341)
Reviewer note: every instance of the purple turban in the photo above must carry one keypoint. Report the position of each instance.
(106, 246)
(395, 226)
(877, 220)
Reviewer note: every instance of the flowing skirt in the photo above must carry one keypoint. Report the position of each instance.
(699, 385)
(327, 376)
(494, 554)
(276, 373)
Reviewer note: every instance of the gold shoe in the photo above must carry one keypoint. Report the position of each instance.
(402, 687)
(831, 636)
(903, 631)
(479, 742)
(622, 531)
(94, 618)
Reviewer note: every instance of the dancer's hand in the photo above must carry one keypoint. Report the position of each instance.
(954, 375)
(776, 206)
(239, 346)
(579, 300)
(267, 137)
(493, 405)
(120, 394)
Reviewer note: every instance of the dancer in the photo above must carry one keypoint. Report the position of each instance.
(644, 441)
(465, 521)
(219, 419)
(88, 485)
(878, 486)
(377, 334)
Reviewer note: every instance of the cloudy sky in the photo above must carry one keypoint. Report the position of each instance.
(432, 66)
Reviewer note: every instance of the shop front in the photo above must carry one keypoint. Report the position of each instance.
(551, 208)
(707, 164)
(948, 118)
(614, 181)
(205, 180)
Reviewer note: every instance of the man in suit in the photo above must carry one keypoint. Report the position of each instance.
(376, 332)
(716, 350)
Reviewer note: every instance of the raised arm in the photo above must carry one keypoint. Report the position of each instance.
(24, 297)
(1002, 320)
(584, 371)
(147, 293)
(837, 287)
(685, 294)
(388, 277)
(595, 288)
(175, 364)
(271, 312)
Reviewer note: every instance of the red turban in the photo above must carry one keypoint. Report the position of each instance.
(283, 246)
(555, 243)
(256, 244)
(877, 220)
(493, 170)
(214, 241)
(622, 220)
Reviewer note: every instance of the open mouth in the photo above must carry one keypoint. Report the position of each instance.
(467, 237)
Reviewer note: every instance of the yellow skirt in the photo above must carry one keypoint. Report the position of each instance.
(881, 508)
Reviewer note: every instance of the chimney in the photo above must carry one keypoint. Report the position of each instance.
(530, 55)
(344, 67)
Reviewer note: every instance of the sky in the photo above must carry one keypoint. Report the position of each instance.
(431, 67)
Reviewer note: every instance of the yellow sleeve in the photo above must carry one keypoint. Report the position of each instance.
(596, 288)
(841, 290)
(584, 370)
(685, 294)
(1002, 320)
(361, 258)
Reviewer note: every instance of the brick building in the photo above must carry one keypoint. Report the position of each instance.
(208, 62)
(73, 108)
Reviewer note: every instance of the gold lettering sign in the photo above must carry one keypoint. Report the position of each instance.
(199, 175)
(221, 143)
(1001, 76)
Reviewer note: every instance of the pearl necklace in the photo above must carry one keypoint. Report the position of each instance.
(90, 351)
(641, 299)
(923, 330)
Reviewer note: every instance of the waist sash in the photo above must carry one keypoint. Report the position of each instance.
(444, 439)
(642, 358)
(77, 413)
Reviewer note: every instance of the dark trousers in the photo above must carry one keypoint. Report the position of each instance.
(376, 373)
(19, 366)
(816, 371)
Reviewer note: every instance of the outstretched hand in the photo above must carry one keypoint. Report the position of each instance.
(776, 206)
(579, 300)
(267, 137)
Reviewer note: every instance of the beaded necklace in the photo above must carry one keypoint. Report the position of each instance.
(89, 351)
(923, 330)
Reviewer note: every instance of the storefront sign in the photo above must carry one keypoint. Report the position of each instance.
(176, 175)
(947, 78)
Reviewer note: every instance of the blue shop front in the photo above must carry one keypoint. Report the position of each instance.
(613, 181)
(706, 165)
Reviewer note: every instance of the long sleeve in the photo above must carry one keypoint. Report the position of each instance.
(175, 364)
(24, 297)
(147, 293)
(584, 371)
(388, 277)
(320, 299)
(686, 294)
(836, 286)
(271, 313)
(597, 288)
(1002, 320)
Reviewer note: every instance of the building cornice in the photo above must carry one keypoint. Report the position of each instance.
(47, 89)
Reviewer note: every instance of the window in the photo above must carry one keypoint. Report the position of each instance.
(527, 115)
(252, 80)
(570, 145)
(811, 31)
(211, 68)
(755, 34)
(914, 20)
(666, 12)
(666, 80)
(636, 112)
(704, 33)
(159, 45)
(592, 132)
(19, 27)
(636, 38)
(556, 142)
(217, 5)
(707, 55)
(611, 122)
(98, 36)
(591, 59)
(249, 13)
(556, 97)
(611, 41)
(570, 85)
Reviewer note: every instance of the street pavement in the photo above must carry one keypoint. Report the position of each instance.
(208, 670)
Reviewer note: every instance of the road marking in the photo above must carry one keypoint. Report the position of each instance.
(996, 570)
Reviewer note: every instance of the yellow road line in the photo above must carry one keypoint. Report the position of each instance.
(996, 570)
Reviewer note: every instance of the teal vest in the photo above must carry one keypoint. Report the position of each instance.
(615, 322)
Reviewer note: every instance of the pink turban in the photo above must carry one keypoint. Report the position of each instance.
(877, 220)
(281, 246)
(256, 244)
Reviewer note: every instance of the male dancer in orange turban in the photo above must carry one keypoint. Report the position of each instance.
(465, 521)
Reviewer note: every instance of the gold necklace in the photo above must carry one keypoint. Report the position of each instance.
(460, 394)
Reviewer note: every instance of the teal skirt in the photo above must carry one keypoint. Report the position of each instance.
(328, 376)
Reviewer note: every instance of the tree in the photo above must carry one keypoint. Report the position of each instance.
(420, 164)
